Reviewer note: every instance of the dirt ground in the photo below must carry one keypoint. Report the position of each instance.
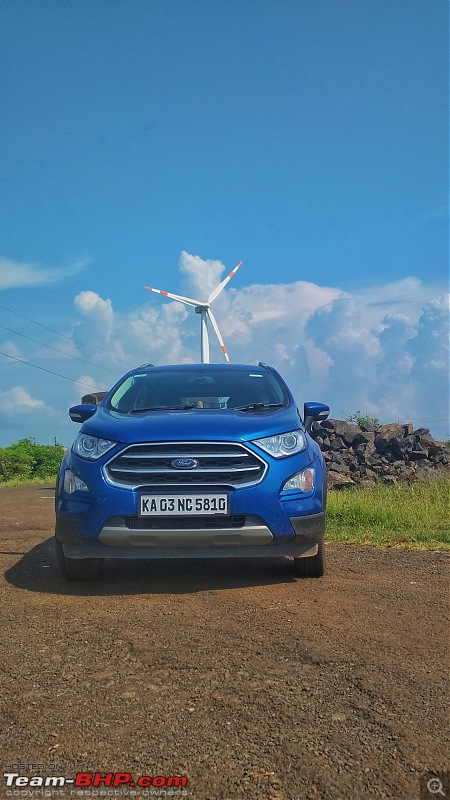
(252, 683)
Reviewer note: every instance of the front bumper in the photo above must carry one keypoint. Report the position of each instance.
(252, 540)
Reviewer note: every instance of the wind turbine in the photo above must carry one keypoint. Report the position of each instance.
(204, 309)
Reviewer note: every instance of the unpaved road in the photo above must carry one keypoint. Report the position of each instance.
(223, 671)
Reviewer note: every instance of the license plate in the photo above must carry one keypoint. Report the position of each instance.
(182, 504)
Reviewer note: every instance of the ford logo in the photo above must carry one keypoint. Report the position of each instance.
(184, 463)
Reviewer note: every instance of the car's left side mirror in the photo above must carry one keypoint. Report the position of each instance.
(314, 412)
(82, 412)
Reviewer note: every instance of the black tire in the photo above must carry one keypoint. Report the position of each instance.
(77, 569)
(312, 566)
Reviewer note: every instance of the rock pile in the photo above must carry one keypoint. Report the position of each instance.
(365, 454)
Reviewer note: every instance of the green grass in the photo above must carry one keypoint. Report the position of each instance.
(409, 516)
(27, 481)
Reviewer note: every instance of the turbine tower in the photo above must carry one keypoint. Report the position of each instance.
(204, 309)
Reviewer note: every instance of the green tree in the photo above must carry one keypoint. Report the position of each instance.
(27, 459)
(14, 464)
(47, 459)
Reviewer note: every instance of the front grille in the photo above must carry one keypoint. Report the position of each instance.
(184, 523)
(218, 464)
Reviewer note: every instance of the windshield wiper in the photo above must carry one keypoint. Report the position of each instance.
(257, 407)
(160, 408)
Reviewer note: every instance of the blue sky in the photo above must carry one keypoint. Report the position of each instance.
(307, 139)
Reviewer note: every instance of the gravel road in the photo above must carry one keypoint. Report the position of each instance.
(251, 683)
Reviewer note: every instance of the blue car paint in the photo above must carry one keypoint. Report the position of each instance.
(91, 510)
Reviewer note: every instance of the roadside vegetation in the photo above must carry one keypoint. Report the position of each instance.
(361, 419)
(409, 516)
(28, 462)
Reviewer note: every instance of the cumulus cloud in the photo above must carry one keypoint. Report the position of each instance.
(19, 274)
(396, 369)
(281, 303)
(432, 338)
(24, 414)
(18, 399)
(380, 350)
(200, 275)
(90, 303)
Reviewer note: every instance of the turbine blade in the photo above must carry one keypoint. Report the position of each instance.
(219, 288)
(187, 300)
(213, 322)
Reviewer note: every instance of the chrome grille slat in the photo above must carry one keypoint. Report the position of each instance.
(219, 464)
(183, 455)
(161, 470)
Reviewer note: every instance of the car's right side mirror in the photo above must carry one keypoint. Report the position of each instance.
(314, 412)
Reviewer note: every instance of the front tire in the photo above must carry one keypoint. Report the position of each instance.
(77, 569)
(312, 566)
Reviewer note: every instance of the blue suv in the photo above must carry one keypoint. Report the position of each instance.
(192, 461)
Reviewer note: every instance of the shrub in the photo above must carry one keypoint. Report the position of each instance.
(361, 419)
(14, 464)
(27, 459)
(47, 460)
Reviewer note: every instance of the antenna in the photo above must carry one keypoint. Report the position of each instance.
(206, 315)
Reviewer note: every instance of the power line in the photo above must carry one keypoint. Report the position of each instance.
(107, 355)
(29, 364)
(56, 349)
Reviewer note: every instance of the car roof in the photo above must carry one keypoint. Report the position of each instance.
(204, 367)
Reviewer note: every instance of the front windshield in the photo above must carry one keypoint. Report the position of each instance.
(219, 389)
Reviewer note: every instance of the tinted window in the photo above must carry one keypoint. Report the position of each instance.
(219, 389)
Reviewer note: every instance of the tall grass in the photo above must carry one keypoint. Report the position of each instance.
(12, 482)
(400, 515)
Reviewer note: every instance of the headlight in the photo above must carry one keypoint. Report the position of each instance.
(282, 444)
(302, 481)
(91, 446)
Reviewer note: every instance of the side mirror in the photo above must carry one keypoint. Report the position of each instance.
(83, 412)
(314, 412)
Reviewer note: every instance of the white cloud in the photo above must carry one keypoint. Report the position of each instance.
(366, 350)
(283, 302)
(380, 350)
(19, 274)
(18, 399)
(97, 312)
(24, 414)
(396, 369)
(89, 302)
(10, 349)
(200, 276)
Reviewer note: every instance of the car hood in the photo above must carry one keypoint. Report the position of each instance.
(191, 425)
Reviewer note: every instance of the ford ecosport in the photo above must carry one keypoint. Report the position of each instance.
(192, 461)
